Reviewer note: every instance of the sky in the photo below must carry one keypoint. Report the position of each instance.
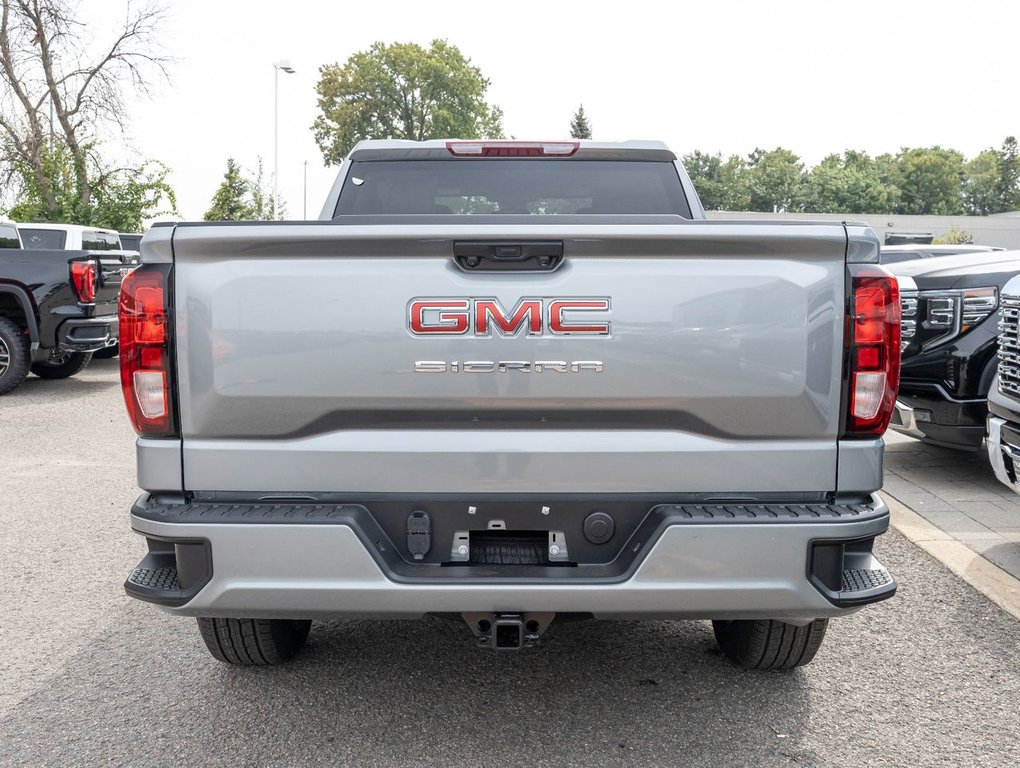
(815, 76)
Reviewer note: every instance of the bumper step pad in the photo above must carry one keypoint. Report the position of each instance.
(861, 579)
(172, 572)
(158, 579)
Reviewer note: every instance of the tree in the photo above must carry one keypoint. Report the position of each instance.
(721, 184)
(263, 208)
(230, 203)
(62, 94)
(1008, 166)
(402, 91)
(848, 183)
(241, 198)
(120, 198)
(775, 180)
(930, 181)
(580, 126)
(981, 190)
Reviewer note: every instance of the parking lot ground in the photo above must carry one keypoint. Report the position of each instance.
(957, 492)
(90, 677)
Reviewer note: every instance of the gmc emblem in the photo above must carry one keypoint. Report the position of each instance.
(483, 317)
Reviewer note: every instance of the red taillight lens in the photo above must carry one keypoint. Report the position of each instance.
(145, 351)
(874, 340)
(83, 277)
(512, 148)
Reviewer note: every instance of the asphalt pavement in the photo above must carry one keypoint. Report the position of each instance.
(90, 677)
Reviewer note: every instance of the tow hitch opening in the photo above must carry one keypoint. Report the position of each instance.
(508, 631)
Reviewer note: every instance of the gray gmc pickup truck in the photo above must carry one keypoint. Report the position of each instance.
(510, 382)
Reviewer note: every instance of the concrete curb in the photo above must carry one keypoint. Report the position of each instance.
(987, 578)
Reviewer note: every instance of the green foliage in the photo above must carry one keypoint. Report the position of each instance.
(119, 198)
(917, 181)
(721, 184)
(954, 237)
(402, 91)
(242, 198)
(775, 180)
(580, 126)
(848, 183)
(981, 184)
(230, 202)
(930, 180)
(1008, 163)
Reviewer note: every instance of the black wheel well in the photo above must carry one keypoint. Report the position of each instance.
(987, 374)
(17, 307)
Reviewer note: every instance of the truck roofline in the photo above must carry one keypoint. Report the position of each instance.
(398, 149)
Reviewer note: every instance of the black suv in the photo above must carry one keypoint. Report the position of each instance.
(949, 344)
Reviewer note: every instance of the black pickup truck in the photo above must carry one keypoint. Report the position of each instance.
(56, 308)
(949, 340)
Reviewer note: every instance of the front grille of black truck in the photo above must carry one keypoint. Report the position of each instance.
(908, 322)
(1009, 346)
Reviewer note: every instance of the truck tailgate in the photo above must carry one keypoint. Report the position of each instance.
(720, 371)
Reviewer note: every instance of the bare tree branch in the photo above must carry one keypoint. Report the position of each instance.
(49, 67)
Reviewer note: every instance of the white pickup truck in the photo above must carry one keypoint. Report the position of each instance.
(510, 382)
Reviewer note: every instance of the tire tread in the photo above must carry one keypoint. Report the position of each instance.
(253, 642)
(768, 644)
(18, 346)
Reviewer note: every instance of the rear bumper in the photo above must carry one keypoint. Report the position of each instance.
(792, 562)
(88, 334)
(937, 418)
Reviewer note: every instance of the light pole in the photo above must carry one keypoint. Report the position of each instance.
(285, 66)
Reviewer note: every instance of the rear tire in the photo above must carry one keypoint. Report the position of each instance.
(769, 644)
(68, 365)
(14, 355)
(254, 642)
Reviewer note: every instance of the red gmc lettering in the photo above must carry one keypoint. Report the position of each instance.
(452, 317)
(527, 311)
(482, 317)
(559, 325)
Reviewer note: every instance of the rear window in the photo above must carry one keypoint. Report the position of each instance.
(130, 242)
(538, 187)
(43, 239)
(9, 236)
(92, 240)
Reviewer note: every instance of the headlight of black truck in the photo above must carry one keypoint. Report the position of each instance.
(935, 317)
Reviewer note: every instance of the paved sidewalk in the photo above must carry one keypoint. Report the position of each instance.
(957, 492)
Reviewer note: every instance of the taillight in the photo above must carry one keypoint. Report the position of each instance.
(512, 148)
(83, 277)
(874, 347)
(145, 350)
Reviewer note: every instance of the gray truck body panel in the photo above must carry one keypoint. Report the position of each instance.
(726, 340)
